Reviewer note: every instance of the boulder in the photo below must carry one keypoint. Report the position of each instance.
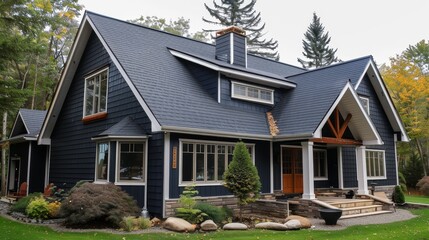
(305, 222)
(293, 224)
(155, 221)
(235, 226)
(271, 226)
(208, 225)
(178, 225)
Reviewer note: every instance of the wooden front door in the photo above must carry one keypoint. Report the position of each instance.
(292, 170)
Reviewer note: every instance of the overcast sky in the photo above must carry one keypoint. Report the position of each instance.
(381, 28)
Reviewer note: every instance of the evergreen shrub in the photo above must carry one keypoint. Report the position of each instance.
(398, 195)
(21, 204)
(38, 208)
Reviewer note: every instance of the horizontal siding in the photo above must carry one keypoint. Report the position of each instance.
(37, 168)
(155, 178)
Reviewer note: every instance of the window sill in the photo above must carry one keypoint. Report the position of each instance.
(376, 178)
(101, 182)
(321, 179)
(184, 184)
(94, 117)
(130, 183)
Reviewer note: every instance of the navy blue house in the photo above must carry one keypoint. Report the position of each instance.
(153, 112)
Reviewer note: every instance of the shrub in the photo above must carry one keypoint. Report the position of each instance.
(398, 195)
(186, 199)
(134, 223)
(423, 185)
(21, 204)
(217, 214)
(54, 208)
(97, 205)
(38, 208)
(191, 215)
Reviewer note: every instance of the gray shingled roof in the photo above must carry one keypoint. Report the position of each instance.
(175, 98)
(125, 128)
(303, 108)
(28, 123)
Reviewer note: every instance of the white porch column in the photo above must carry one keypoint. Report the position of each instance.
(361, 170)
(308, 170)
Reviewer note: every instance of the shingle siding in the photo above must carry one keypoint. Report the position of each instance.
(155, 177)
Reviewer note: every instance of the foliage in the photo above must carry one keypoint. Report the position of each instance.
(38, 208)
(186, 199)
(423, 185)
(398, 195)
(97, 204)
(217, 214)
(413, 170)
(402, 182)
(241, 177)
(419, 55)
(315, 45)
(21, 204)
(241, 14)
(54, 209)
(179, 27)
(134, 223)
(191, 215)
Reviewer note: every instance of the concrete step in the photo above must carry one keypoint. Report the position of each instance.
(364, 214)
(362, 209)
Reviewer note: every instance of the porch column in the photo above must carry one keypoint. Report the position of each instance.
(308, 170)
(361, 170)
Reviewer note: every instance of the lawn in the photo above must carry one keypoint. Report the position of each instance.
(416, 199)
(416, 228)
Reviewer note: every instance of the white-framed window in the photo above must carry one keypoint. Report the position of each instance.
(320, 164)
(252, 93)
(375, 164)
(131, 162)
(365, 103)
(204, 162)
(95, 96)
(102, 162)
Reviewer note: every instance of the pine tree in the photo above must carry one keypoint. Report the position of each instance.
(241, 177)
(316, 48)
(237, 13)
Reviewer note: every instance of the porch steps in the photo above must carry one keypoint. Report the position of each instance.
(364, 214)
(356, 207)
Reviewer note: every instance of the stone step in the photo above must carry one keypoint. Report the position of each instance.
(362, 209)
(351, 203)
(364, 214)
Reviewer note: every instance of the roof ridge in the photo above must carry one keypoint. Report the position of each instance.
(334, 65)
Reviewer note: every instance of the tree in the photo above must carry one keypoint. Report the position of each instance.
(241, 177)
(237, 13)
(409, 88)
(315, 45)
(179, 27)
(419, 55)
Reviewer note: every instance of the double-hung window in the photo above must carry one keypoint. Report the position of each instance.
(131, 165)
(205, 162)
(95, 93)
(102, 162)
(252, 93)
(375, 164)
(320, 164)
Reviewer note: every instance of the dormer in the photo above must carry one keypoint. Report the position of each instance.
(231, 46)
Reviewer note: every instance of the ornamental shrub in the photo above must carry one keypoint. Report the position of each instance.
(241, 177)
(423, 185)
(38, 208)
(217, 214)
(97, 205)
(398, 195)
(21, 204)
(194, 216)
(54, 209)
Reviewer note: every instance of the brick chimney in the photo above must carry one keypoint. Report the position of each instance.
(231, 46)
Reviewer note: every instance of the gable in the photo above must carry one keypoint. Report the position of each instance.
(19, 127)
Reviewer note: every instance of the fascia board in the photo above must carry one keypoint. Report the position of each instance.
(214, 133)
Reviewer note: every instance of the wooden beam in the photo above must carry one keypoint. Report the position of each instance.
(337, 141)
(337, 121)
(344, 126)
(331, 126)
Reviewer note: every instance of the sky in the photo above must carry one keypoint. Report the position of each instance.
(381, 28)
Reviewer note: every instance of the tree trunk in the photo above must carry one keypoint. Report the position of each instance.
(422, 156)
(3, 156)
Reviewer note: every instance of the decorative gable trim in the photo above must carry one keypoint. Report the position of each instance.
(383, 95)
(19, 116)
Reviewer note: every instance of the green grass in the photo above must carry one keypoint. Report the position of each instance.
(416, 228)
(416, 199)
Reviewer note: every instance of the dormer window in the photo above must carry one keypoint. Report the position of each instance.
(95, 93)
(252, 93)
(365, 103)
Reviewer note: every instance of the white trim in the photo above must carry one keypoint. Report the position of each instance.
(340, 167)
(156, 126)
(166, 186)
(96, 180)
(367, 108)
(99, 72)
(395, 140)
(386, 96)
(231, 48)
(271, 168)
(307, 170)
(245, 50)
(14, 124)
(247, 98)
(326, 164)
(122, 138)
(146, 153)
(206, 142)
(118, 159)
(47, 164)
(219, 87)
(384, 164)
(28, 167)
(251, 77)
(361, 170)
